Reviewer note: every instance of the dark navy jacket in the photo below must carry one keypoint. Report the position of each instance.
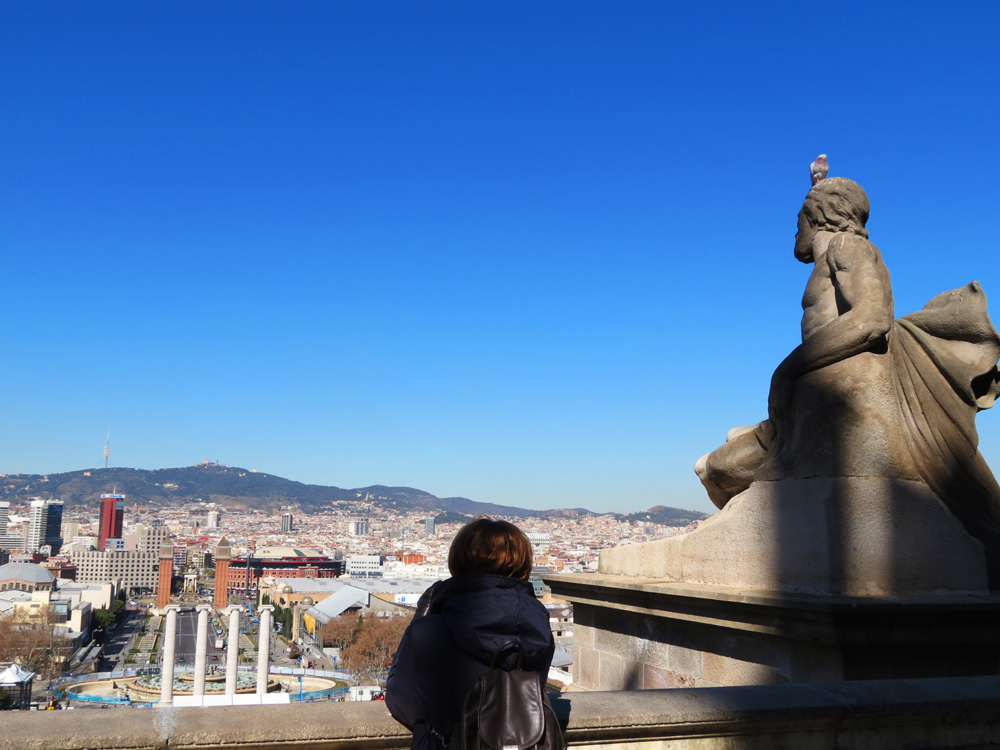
(446, 650)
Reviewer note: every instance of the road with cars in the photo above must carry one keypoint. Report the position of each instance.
(186, 643)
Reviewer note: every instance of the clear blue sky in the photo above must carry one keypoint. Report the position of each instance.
(537, 254)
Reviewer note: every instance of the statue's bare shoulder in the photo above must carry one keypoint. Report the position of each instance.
(860, 277)
(848, 251)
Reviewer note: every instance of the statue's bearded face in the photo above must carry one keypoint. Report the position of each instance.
(804, 237)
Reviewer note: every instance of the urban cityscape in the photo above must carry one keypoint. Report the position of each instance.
(66, 566)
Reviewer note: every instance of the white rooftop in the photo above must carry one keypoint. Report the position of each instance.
(14, 674)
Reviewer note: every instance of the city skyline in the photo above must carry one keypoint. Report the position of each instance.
(539, 256)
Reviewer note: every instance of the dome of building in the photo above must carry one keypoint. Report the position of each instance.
(27, 572)
(286, 589)
(307, 601)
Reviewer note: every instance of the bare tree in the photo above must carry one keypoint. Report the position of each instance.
(30, 639)
(340, 632)
(375, 645)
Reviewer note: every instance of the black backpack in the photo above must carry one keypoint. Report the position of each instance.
(507, 710)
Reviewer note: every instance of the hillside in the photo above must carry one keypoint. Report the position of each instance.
(235, 487)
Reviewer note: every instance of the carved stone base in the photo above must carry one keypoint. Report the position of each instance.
(637, 634)
(853, 536)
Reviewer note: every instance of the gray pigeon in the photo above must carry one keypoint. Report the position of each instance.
(818, 169)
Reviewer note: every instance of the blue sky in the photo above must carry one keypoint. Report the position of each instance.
(537, 254)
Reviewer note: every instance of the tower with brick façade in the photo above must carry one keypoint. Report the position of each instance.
(166, 575)
(222, 557)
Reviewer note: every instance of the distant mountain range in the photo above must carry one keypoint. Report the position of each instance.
(234, 487)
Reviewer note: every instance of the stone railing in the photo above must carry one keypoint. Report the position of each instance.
(926, 714)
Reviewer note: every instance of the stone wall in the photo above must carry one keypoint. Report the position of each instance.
(640, 634)
(929, 714)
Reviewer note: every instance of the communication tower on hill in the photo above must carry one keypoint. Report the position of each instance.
(107, 449)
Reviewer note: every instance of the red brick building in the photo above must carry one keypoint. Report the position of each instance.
(60, 567)
(243, 573)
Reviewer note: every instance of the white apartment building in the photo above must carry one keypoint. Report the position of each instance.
(364, 566)
(147, 538)
(135, 569)
(539, 538)
(11, 542)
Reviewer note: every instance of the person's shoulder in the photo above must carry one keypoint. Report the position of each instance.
(429, 632)
(848, 250)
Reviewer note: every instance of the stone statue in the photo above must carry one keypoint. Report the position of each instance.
(866, 396)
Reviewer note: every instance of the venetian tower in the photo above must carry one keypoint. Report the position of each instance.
(166, 575)
(222, 556)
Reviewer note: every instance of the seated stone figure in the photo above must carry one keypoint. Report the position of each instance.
(864, 395)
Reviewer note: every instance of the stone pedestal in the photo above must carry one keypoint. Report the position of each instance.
(633, 633)
(865, 536)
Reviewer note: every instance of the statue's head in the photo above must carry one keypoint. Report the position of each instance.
(838, 204)
(835, 204)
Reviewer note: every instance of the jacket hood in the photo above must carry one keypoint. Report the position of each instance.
(483, 611)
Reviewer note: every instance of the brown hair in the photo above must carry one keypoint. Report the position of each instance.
(488, 546)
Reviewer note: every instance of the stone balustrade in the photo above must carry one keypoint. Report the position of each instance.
(926, 714)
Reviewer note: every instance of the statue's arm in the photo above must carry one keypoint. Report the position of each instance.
(864, 304)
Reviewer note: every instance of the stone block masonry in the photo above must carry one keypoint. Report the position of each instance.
(636, 634)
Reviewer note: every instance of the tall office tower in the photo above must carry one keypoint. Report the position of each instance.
(213, 519)
(44, 525)
(53, 529)
(358, 527)
(112, 516)
(37, 521)
(430, 526)
(4, 515)
(286, 522)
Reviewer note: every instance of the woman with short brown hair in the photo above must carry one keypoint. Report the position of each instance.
(459, 624)
(488, 546)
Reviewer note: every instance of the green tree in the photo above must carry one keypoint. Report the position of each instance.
(102, 617)
(283, 619)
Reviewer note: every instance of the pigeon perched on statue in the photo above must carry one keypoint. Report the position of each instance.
(818, 169)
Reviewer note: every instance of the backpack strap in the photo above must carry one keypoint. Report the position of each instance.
(510, 644)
